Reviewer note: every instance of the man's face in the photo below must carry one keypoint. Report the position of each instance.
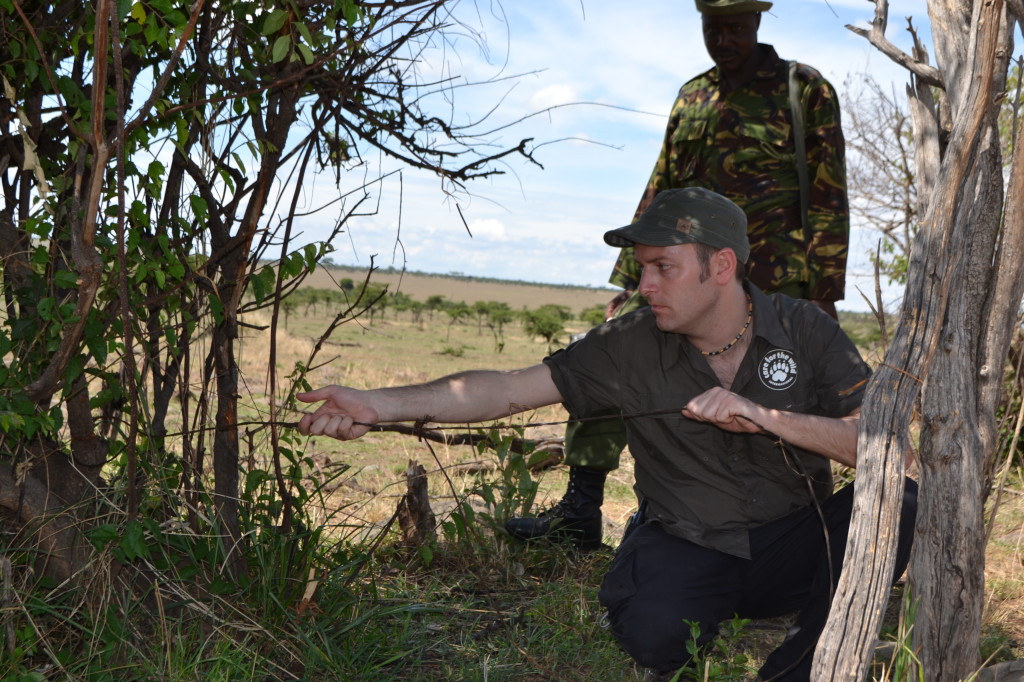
(731, 39)
(671, 283)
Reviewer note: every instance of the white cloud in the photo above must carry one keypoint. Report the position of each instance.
(546, 225)
(489, 230)
(552, 96)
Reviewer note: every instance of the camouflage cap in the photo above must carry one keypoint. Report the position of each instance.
(685, 216)
(732, 6)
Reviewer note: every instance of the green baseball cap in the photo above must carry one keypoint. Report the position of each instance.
(686, 216)
(732, 6)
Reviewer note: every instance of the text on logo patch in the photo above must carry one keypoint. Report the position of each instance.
(778, 369)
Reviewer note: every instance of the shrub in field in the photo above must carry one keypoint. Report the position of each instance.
(547, 322)
(594, 315)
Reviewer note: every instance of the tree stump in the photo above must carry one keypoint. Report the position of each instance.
(415, 517)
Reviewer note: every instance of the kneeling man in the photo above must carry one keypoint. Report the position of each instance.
(735, 402)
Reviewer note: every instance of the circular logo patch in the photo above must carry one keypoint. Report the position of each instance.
(778, 369)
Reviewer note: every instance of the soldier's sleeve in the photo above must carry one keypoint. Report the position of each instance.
(828, 206)
(626, 273)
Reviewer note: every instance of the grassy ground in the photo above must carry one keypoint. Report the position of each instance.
(344, 598)
(481, 608)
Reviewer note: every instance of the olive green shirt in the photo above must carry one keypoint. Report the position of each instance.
(702, 483)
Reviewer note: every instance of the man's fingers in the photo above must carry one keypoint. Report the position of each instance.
(704, 407)
(316, 423)
(334, 425)
(314, 396)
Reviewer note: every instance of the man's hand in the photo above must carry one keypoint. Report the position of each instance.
(346, 413)
(725, 410)
(833, 437)
(613, 305)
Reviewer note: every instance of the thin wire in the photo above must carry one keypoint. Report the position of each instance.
(454, 427)
(797, 467)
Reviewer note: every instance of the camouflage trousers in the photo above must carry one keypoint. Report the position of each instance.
(598, 444)
(595, 444)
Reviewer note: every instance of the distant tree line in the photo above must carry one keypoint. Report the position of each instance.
(547, 321)
(452, 275)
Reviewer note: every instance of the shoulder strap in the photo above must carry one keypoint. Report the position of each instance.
(799, 143)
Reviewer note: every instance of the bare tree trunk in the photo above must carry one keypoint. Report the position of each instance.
(940, 343)
(957, 437)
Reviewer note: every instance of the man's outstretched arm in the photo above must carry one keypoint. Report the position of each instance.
(466, 397)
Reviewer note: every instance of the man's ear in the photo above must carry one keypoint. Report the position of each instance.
(725, 265)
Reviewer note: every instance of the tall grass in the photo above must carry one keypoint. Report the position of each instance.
(336, 594)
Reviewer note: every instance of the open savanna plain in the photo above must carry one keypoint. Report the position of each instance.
(474, 605)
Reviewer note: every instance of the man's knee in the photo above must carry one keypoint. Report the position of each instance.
(656, 637)
(651, 604)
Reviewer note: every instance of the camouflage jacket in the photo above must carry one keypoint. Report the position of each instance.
(741, 145)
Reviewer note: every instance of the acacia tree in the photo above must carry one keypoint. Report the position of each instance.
(153, 158)
(547, 322)
(880, 160)
(964, 287)
(456, 312)
(880, 168)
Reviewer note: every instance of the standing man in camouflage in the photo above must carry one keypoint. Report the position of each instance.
(733, 130)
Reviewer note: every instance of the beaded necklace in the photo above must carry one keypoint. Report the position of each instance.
(743, 330)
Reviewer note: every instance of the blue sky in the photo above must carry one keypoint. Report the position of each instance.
(546, 225)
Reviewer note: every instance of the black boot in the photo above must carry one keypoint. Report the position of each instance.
(576, 518)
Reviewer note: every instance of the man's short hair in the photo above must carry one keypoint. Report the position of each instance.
(704, 254)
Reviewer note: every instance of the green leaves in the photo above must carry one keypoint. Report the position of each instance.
(133, 542)
(282, 46)
(264, 280)
(351, 11)
(721, 658)
(199, 207)
(10, 421)
(289, 32)
(275, 21)
(65, 279)
(128, 544)
(138, 12)
(262, 283)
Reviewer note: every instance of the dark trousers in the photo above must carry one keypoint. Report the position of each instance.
(657, 582)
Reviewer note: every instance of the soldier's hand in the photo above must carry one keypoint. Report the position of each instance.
(616, 303)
